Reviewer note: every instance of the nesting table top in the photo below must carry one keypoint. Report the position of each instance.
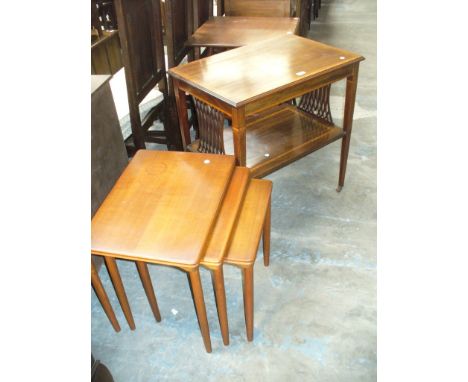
(162, 208)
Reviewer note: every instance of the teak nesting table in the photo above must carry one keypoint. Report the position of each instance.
(183, 210)
(253, 86)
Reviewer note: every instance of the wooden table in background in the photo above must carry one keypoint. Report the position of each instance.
(244, 84)
(236, 31)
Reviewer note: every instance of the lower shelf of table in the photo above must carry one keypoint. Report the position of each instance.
(281, 136)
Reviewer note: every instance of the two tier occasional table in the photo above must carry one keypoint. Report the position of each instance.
(252, 86)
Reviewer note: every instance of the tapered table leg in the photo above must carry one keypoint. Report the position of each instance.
(199, 301)
(102, 296)
(148, 287)
(266, 235)
(217, 278)
(119, 290)
(248, 281)
(351, 86)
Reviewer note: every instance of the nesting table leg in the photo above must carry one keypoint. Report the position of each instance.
(266, 235)
(351, 86)
(102, 296)
(148, 287)
(199, 301)
(119, 290)
(217, 278)
(248, 286)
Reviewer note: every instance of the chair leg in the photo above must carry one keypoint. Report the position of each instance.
(217, 277)
(196, 53)
(199, 301)
(102, 296)
(248, 285)
(119, 290)
(266, 235)
(148, 287)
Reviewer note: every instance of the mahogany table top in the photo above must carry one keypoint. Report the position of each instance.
(236, 31)
(248, 73)
(162, 208)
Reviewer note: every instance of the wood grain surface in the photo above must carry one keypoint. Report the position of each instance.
(243, 249)
(257, 7)
(248, 73)
(234, 32)
(227, 218)
(278, 137)
(163, 208)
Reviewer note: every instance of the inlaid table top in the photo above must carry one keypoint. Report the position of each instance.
(246, 74)
(236, 31)
(163, 207)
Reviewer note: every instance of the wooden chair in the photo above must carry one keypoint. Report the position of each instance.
(317, 4)
(219, 7)
(143, 56)
(302, 9)
(181, 19)
(179, 26)
(202, 11)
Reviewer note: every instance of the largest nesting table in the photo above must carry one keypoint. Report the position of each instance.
(252, 85)
(162, 210)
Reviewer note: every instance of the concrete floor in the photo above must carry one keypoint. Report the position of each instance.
(315, 306)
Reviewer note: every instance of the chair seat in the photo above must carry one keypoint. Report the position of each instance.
(246, 238)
